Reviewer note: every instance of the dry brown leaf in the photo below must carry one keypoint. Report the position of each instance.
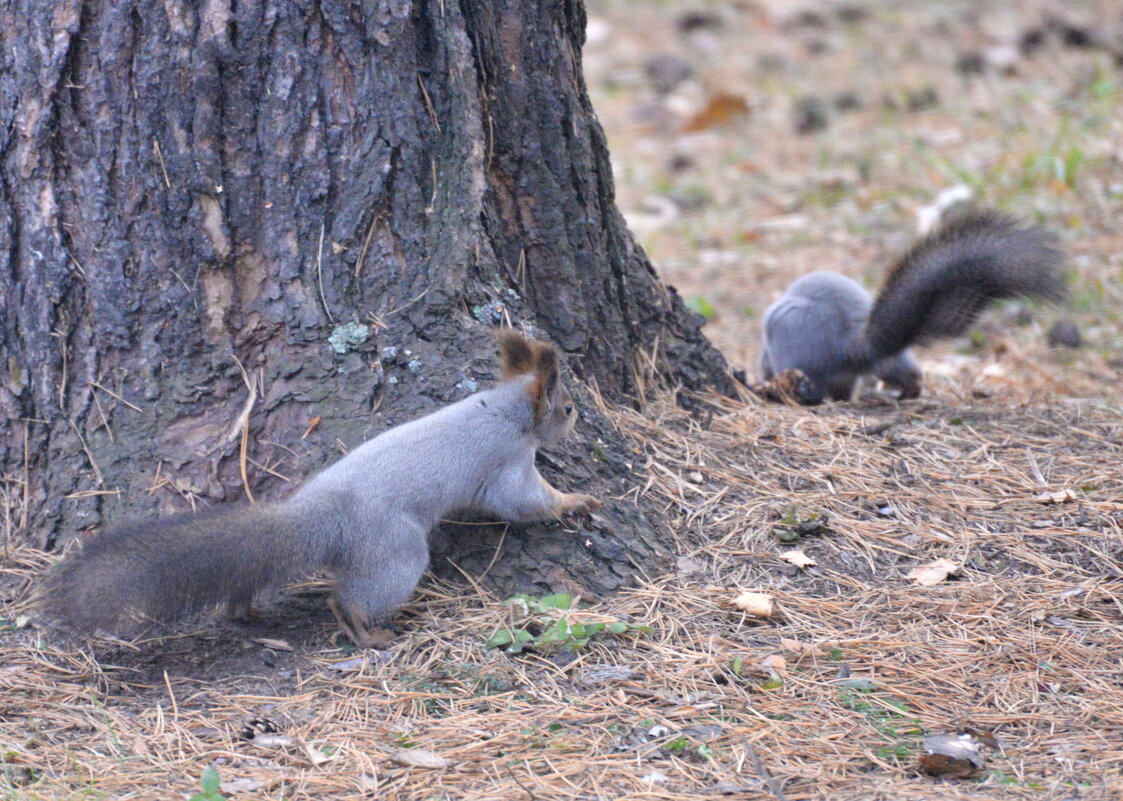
(943, 765)
(419, 758)
(795, 646)
(797, 558)
(955, 756)
(1060, 496)
(314, 755)
(775, 664)
(756, 604)
(721, 109)
(933, 573)
(240, 785)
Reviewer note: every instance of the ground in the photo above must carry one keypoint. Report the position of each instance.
(753, 142)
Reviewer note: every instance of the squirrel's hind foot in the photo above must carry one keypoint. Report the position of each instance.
(352, 624)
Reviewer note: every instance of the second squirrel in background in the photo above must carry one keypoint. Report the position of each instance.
(365, 519)
(827, 328)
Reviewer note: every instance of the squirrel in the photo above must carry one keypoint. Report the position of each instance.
(365, 519)
(825, 332)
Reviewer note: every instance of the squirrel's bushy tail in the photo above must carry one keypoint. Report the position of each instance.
(942, 284)
(165, 568)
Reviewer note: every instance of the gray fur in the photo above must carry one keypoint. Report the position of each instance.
(827, 326)
(365, 518)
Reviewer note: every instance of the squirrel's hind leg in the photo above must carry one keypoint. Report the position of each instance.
(240, 607)
(378, 582)
(359, 633)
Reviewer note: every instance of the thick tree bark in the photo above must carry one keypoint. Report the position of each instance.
(221, 222)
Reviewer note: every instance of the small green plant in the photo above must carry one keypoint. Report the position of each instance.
(549, 628)
(678, 745)
(1003, 778)
(699, 304)
(403, 740)
(794, 526)
(209, 781)
(889, 717)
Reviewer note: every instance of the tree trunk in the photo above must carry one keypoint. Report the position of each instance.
(237, 238)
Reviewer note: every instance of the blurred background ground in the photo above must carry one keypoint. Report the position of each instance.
(753, 142)
(757, 141)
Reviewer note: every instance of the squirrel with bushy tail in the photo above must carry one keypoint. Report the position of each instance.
(826, 333)
(365, 519)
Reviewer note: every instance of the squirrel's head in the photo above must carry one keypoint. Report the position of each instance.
(553, 408)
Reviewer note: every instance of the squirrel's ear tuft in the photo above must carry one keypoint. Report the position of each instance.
(547, 368)
(516, 353)
(546, 377)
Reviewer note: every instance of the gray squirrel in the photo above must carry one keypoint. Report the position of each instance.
(825, 333)
(365, 519)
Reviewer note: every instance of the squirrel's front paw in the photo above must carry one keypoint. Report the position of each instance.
(578, 504)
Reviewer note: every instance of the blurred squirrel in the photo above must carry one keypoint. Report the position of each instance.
(365, 519)
(825, 332)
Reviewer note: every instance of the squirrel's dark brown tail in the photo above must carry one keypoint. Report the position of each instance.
(942, 284)
(162, 569)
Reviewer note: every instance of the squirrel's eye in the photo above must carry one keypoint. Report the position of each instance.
(569, 408)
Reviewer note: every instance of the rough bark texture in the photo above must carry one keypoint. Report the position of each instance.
(223, 221)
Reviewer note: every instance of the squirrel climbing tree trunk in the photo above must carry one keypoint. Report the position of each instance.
(237, 239)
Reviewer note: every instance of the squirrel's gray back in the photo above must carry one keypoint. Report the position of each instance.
(458, 449)
(809, 325)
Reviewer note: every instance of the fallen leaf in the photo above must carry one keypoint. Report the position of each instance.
(1060, 496)
(242, 785)
(776, 665)
(720, 110)
(272, 741)
(956, 756)
(943, 765)
(797, 558)
(794, 645)
(315, 755)
(933, 573)
(756, 604)
(419, 758)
